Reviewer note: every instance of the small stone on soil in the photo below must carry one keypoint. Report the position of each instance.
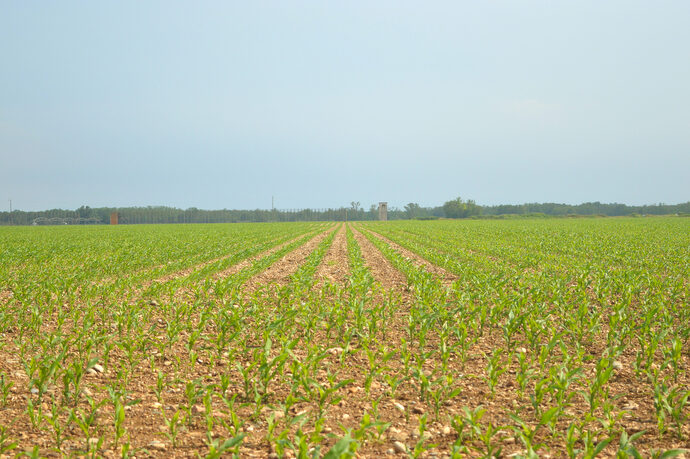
(335, 350)
(157, 445)
(399, 447)
(630, 406)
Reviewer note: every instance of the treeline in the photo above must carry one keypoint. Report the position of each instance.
(455, 208)
(587, 208)
(162, 214)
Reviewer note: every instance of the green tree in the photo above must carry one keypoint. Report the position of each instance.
(457, 208)
(413, 210)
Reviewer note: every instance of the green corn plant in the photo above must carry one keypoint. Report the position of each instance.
(524, 374)
(86, 420)
(173, 425)
(193, 392)
(218, 449)
(56, 424)
(5, 388)
(6, 445)
(35, 412)
(421, 446)
(344, 448)
(597, 391)
(325, 395)
(495, 368)
(118, 416)
(441, 392)
(235, 424)
(627, 448)
(592, 448)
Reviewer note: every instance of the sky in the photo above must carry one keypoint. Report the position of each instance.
(229, 104)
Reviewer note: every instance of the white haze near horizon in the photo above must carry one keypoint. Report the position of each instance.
(226, 104)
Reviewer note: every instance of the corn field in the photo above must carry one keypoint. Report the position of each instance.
(447, 339)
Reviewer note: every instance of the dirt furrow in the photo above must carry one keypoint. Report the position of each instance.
(445, 276)
(187, 271)
(335, 267)
(234, 269)
(382, 269)
(280, 271)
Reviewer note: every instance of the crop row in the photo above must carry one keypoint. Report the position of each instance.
(567, 338)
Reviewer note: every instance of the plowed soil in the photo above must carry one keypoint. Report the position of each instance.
(279, 272)
(382, 269)
(234, 269)
(446, 277)
(335, 266)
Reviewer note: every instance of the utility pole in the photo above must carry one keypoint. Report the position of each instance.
(10, 210)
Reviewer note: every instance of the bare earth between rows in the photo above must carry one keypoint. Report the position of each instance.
(279, 272)
(445, 276)
(334, 267)
(382, 269)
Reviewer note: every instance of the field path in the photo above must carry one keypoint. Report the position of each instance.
(382, 269)
(444, 275)
(335, 266)
(280, 271)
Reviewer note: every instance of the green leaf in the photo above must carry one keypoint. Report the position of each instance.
(232, 442)
(341, 449)
(672, 453)
(548, 415)
(600, 447)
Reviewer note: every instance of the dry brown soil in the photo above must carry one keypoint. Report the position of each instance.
(382, 269)
(279, 272)
(334, 268)
(445, 276)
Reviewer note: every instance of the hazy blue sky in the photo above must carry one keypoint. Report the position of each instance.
(224, 104)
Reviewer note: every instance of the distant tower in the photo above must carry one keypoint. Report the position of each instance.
(114, 218)
(383, 211)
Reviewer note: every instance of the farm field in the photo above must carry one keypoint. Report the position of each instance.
(475, 338)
